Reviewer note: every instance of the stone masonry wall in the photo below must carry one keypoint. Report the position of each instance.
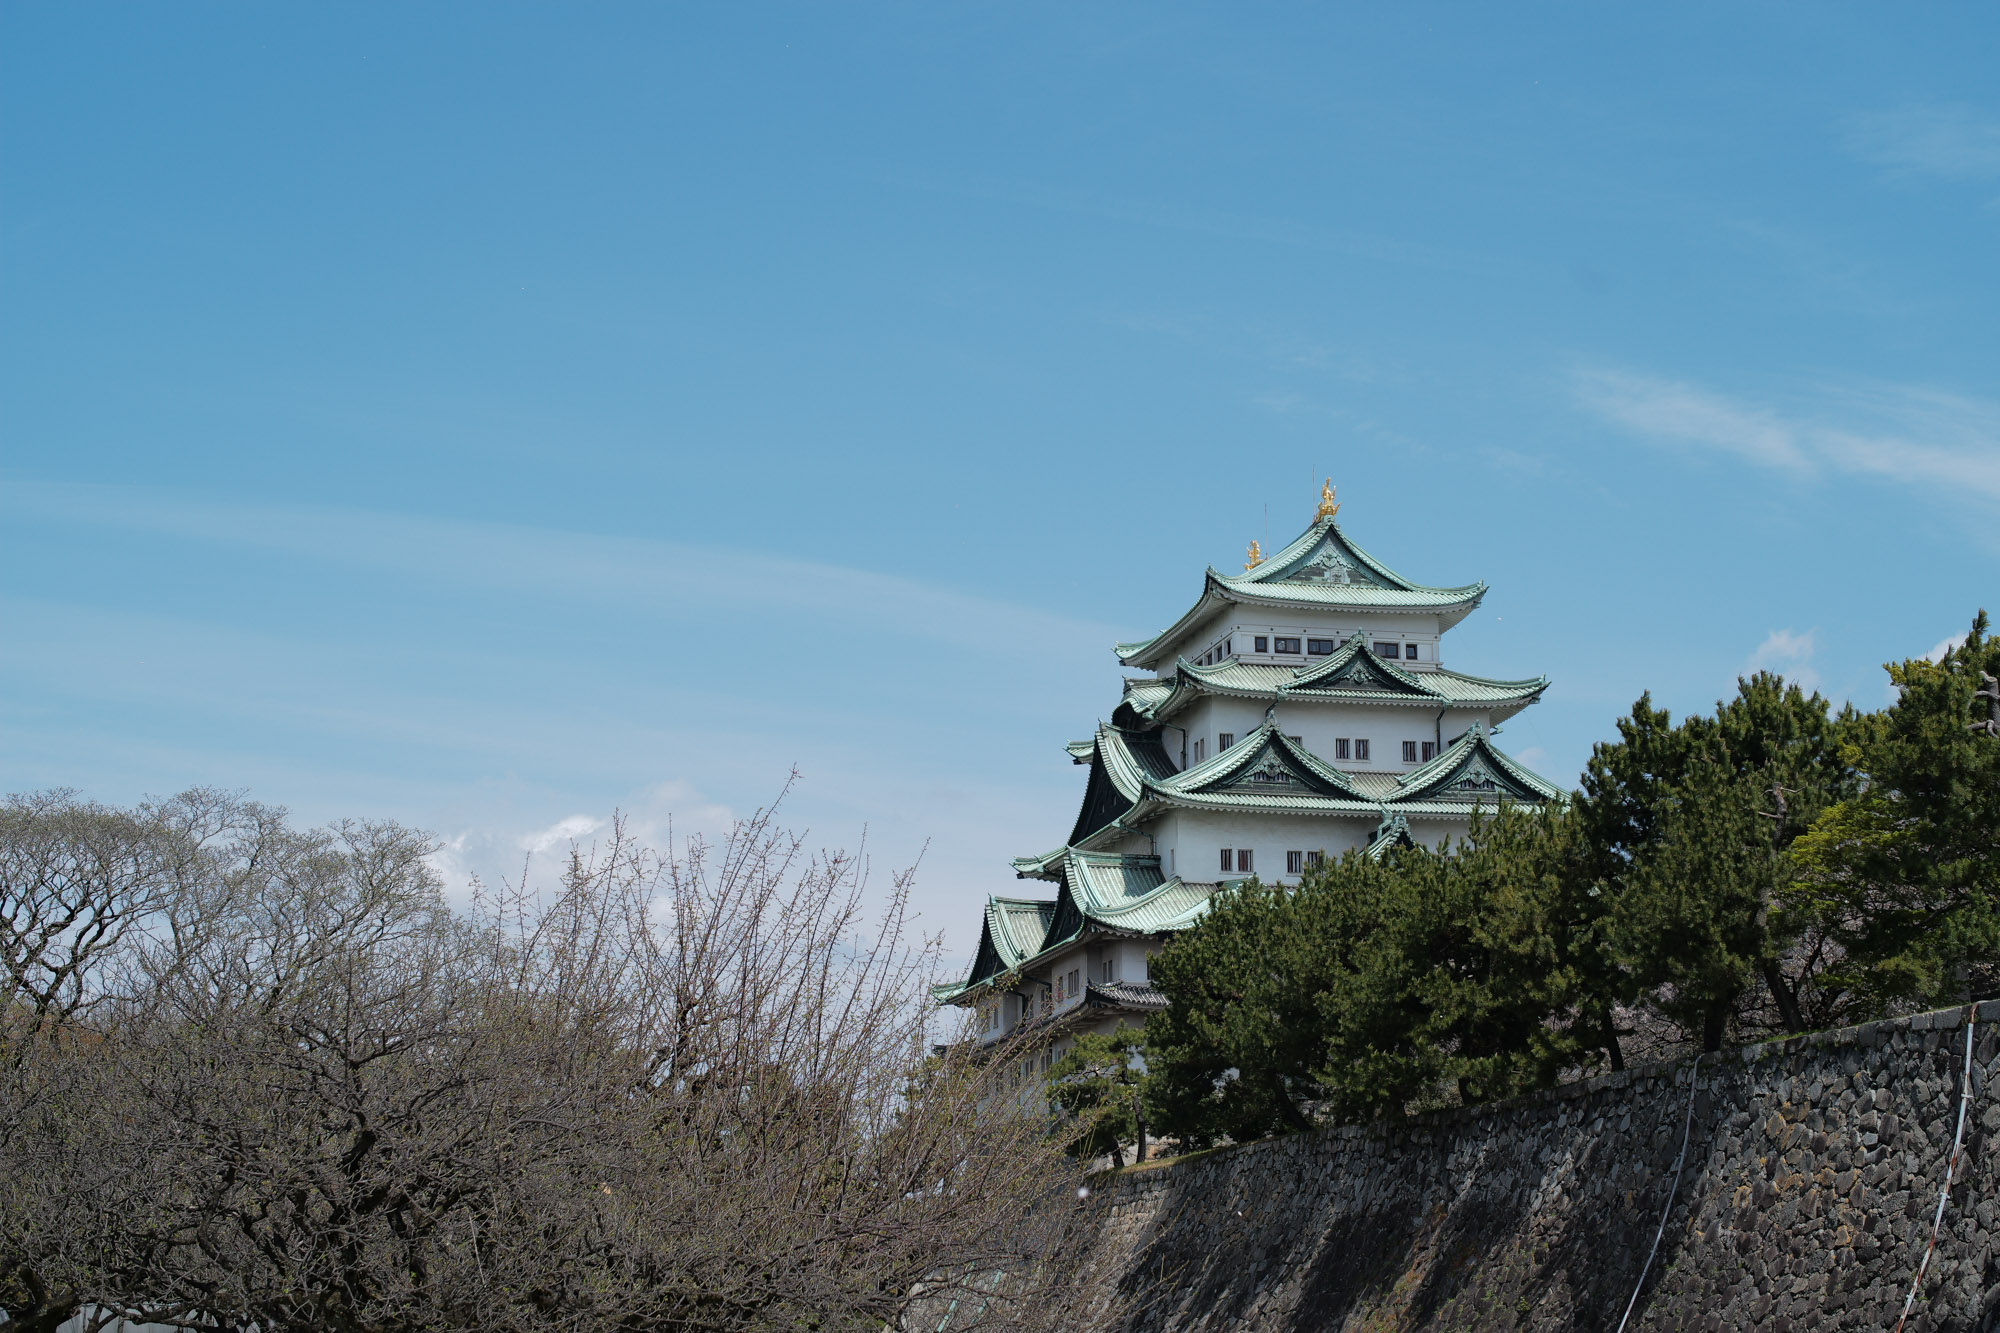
(1812, 1175)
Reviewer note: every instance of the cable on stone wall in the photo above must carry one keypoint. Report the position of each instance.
(1687, 1127)
(1950, 1171)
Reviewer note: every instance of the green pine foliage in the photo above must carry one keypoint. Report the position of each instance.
(1372, 987)
(1688, 828)
(1905, 874)
(1096, 1085)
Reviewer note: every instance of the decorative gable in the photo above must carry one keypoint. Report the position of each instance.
(1269, 766)
(1473, 771)
(1328, 562)
(1354, 667)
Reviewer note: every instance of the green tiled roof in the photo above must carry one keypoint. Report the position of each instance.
(1321, 568)
(1080, 751)
(1122, 893)
(1012, 933)
(1353, 674)
(1102, 891)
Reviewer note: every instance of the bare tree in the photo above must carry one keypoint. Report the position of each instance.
(688, 1090)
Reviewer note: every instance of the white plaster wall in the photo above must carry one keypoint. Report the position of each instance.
(1318, 725)
(1197, 838)
(1243, 624)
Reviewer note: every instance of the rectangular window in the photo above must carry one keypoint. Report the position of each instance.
(1319, 647)
(1294, 862)
(1410, 652)
(1409, 752)
(1286, 645)
(1360, 749)
(1315, 859)
(1340, 749)
(1228, 860)
(1263, 643)
(1296, 740)
(1243, 866)
(1075, 983)
(1384, 649)
(1223, 740)
(1200, 748)
(1430, 750)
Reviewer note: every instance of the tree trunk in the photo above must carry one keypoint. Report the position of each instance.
(1608, 1021)
(1139, 1120)
(1287, 1108)
(1713, 1024)
(1784, 997)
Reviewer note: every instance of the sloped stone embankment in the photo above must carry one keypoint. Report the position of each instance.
(1812, 1175)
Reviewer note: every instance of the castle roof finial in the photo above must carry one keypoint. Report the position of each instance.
(1327, 508)
(1256, 557)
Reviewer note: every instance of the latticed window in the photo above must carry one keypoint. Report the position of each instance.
(1430, 750)
(1228, 860)
(1243, 863)
(1409, 752)
(1360, 749)
(1295, 862)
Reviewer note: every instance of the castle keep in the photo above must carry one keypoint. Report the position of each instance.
(1298, 710)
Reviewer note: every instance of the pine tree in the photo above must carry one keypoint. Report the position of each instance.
(1905, 874)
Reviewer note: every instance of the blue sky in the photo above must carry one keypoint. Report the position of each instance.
(491, 416)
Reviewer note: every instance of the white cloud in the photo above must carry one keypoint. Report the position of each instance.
(1944, 646)
(1790, 654)
(560, 834)
(1912, 435)
(1668, 409)
(1954, 142)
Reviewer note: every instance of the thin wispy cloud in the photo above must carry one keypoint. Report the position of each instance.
(575, 568)
(1954, 142)
(1789, 653)
(1909, 435)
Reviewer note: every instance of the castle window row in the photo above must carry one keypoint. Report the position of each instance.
(1288, 645)
(1243, 861)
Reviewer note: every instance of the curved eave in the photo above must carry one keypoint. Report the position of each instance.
(1040, 867)
(1333, 807)
(1359, 596)
(1449, 605)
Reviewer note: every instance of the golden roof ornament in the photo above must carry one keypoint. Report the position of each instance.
(1256, 554)
(1327, 508)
